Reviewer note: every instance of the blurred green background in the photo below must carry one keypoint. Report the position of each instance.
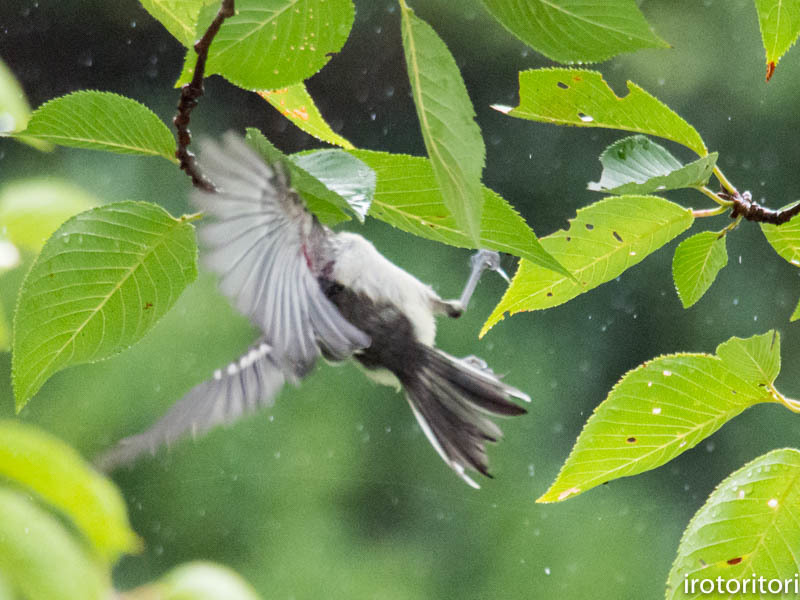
(335, 492)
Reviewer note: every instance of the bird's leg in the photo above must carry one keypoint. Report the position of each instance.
(480, 261)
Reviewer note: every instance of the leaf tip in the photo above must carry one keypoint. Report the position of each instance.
(503, 108)
(770, 69)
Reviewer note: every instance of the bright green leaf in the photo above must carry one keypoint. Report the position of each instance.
(14, 109)
(40, 558)
(32, 209)
(756, 359)
(408, 197)
(204, 581)
(663, 408)
(582, 98)
(747, 529)
(603, 241)
(637, 165)
(329, 206)
(452, 137)
(796, 313)
(577, 30)
(102, 121)
(696, 263)
(178, 16)
(270, 44)
(785, 239)
(98, 285)
(297, 105)
(780, 25)
(58, 475)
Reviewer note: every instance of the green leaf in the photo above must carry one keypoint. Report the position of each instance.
(297, 105)
(32, 209)
(577, 30)
(5, 331)
(46, 465)
(637, 165)
(785, 239)
(328, 205)
(270, 44)
(780, 25)
(582, 98)
(408, 197)
(205, 581)
(665, 407)
(99, 284)
(603, 241)
(178, 16)
(102, 121)
(747, 530)
(14, 109)
(696, 263)
(40, 559)
(447, 119)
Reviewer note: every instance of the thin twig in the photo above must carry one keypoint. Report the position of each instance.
(745, 207)
(191, 92)
(708, 212)
(715, 197)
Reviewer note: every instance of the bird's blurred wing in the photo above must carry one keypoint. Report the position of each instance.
(241, 388)
(260, 240)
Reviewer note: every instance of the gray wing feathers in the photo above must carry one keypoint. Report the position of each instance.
(242, 388)
(256, 242)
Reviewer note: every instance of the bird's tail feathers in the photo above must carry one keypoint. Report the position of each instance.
(453, 400)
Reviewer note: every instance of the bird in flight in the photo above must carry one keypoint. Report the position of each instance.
(312, 291)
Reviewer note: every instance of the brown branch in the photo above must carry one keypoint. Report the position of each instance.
(190, 93)
(744, 206)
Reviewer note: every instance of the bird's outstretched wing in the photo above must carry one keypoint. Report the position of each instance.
(241, 388)
(263, 243)
(259, 238)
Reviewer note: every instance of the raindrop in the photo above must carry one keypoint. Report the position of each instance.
(709, 446)
(547, 570)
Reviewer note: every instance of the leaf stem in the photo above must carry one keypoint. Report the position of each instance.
(724, 182)
(791, 404)
(709, 212)
(715, 197)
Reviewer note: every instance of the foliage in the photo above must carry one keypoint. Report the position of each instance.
(104, 277)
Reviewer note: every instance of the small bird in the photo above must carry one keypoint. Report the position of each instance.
(312, 291)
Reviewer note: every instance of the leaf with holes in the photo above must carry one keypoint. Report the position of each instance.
(637, 165)
(40, 558)
(269, 44)
(577, 31)
(102, 121)
(665, 407)
(62, 479)
(99, 284)
(408, 197)
(747, 530)
(604, 240)
(447, 119)
(179, 17)
(697, 261)
(297, 105)
(332, 182)
(780, 25)
(32, 209)
(581, 98)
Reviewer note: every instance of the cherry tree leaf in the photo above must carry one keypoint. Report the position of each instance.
(99, 284)
(779, 21)
(583, 99)
(697, 261)
(577, 30)
(665, 407)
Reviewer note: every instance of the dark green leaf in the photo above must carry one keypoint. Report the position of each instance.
(637, 165)
(577, 30)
